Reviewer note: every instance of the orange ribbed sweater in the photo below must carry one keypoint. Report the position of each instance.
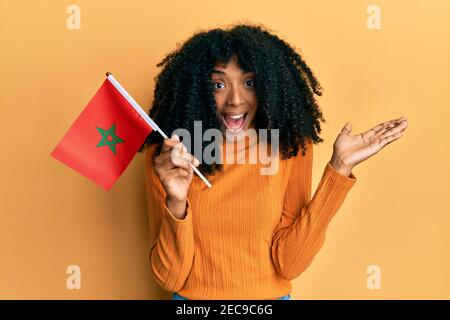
(248, 235)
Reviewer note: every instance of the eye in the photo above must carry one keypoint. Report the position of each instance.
(250, 83)
(216, 83)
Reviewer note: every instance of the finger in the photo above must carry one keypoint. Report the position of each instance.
(179, 145)
(401, 121)
(389, 139)
(375, 132)
(403, 124)
(164, 160)
(371, 134)
(398, 127)
(382, 126)
(394, 123)
(189, 158)
(182, 159)
(178, 172)
(168, 144)
(161, 158)
(347, 128)
(179, 152)
(174, 174)
(168, 162)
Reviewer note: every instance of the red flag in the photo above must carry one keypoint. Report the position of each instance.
(105, 137)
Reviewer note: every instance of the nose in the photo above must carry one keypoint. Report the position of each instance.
(235, 97)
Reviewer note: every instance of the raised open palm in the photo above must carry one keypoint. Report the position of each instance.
(349, 150)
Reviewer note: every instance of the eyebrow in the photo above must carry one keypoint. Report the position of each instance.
(222, 72)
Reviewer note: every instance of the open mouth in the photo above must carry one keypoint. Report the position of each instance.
(234, 121)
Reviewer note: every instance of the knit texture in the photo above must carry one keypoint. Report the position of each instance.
(246, 237)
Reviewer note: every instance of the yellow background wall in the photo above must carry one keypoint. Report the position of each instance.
(396, 217)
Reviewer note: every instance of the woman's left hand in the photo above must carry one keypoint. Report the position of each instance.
(349, 150)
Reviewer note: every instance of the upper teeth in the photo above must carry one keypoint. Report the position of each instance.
(236, 116)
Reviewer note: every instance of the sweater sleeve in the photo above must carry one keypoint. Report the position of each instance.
(301, 231)
(172, 250)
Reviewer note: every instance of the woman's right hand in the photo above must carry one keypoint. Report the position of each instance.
(172, 166)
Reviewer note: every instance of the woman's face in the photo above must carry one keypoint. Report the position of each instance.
(235, 97)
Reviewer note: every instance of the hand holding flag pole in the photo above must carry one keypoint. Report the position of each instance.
(147, 119)
(106, 135)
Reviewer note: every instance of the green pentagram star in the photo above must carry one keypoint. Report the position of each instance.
(114, 139)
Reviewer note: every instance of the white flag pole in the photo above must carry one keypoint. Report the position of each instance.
(147, 119)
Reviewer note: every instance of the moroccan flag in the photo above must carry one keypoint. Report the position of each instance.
(106, 135)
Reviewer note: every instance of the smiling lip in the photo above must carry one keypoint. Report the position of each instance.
(232, 128)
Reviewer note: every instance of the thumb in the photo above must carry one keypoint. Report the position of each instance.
(179, 145)
(347, 128)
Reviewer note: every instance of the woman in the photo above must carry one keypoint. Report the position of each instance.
(250, 234)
